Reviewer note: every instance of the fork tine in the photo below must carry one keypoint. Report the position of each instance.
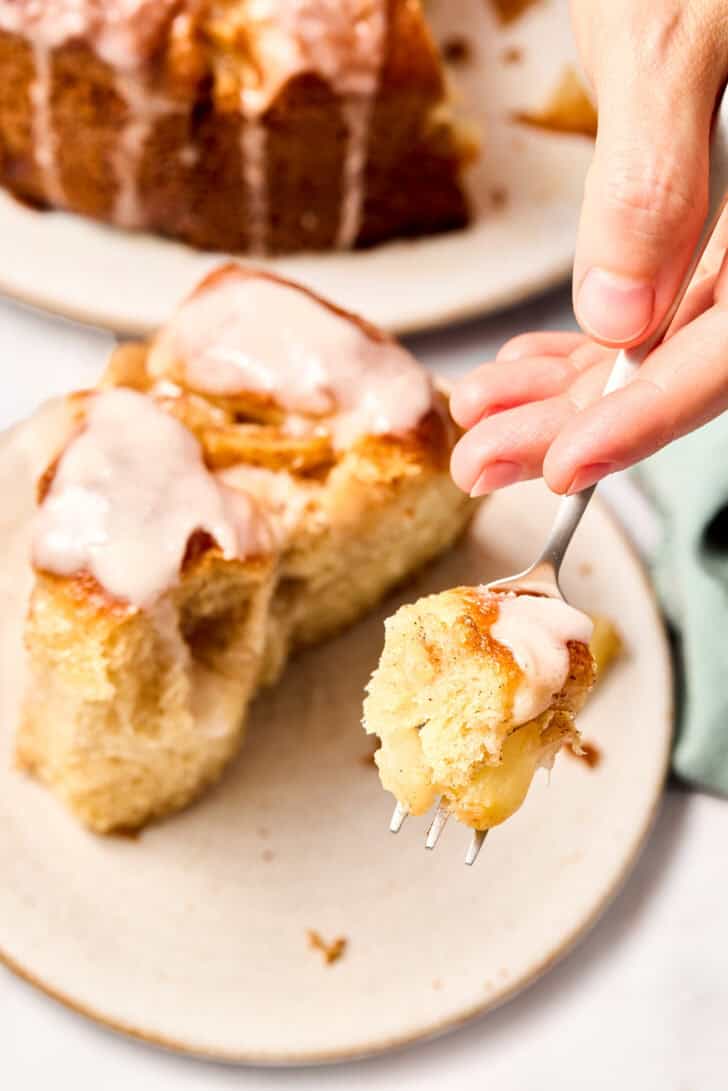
(400, 813)
(476, 844)
(437, 825)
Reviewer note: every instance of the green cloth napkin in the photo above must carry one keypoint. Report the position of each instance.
(688, 482)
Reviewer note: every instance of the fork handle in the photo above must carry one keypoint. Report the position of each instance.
(628, 361)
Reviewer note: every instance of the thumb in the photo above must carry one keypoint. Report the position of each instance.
(646, 192)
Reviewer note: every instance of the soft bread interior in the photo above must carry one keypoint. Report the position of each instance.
(131, 713)
(441, 701)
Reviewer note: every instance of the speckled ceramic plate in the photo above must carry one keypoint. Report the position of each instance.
(195, 936)
(130, 282)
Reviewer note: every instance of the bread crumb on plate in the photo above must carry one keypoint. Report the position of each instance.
(332, 951)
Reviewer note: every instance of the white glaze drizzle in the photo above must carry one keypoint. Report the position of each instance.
(239, 333)
(144, 108)
(123, 34)
(537, 631)
(128, 494)
(357, 114)
(44, 140)
(253, 144)
(343, 41)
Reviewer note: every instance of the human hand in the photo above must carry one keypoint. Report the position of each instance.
(645, 199)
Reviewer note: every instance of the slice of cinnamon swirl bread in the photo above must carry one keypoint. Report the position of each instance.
(250, 481)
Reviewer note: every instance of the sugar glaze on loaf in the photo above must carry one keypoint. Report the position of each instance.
(342, 41)
(240, 334)
(128, 494)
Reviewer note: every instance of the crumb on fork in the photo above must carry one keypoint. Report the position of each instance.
(457, 716)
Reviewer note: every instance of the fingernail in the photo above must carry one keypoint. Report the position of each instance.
(614, 308)
(496, 476)
(589, 475)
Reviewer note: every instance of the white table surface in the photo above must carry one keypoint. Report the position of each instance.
(641, 1004)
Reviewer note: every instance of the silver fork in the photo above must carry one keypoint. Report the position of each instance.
(542, 577)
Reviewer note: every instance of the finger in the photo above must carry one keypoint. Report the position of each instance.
(509, 447)
(646, 192)
(590, 353)
(541, 343)
(498, 386)
(503, 385)
(683, 384)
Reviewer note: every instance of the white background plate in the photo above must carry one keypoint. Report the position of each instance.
(130, 282)
(194, 935)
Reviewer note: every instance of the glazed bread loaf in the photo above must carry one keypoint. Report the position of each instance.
(249, 482)
(235, 125)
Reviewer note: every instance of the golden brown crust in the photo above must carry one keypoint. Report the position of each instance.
(85, 600)
(82, 597)
(475, 623)
(582, 675)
